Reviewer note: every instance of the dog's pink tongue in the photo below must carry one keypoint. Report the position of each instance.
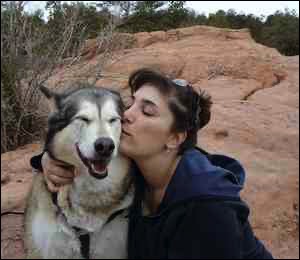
(99, 167)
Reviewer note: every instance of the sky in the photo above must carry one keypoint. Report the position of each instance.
(257, 8)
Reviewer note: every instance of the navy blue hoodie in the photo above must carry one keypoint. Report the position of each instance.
(200, 217)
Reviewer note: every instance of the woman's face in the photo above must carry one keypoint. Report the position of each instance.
(147, 124)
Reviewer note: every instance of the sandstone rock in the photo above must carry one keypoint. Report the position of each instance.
(111, 41)
(12, 230)
(16, 165)
(158, 36)
(168, 62)
(143, 39)
(90, 45)
(13, 196)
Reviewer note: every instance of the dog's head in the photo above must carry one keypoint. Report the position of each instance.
(84, 128)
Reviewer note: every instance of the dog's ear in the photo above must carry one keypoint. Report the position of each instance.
(53, 98)
(47, 92)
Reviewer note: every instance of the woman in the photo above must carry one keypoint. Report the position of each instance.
(187, 202)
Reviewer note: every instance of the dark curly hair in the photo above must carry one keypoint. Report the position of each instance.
(191, 110)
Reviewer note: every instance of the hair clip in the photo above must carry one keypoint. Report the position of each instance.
(181, 82)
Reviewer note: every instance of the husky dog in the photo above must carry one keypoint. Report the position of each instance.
(86, 219)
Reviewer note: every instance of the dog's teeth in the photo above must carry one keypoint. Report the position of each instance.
(98, 168)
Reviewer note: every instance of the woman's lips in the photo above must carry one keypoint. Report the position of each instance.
(126, 133)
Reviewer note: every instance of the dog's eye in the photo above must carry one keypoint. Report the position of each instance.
(114, 120)
(85, 119)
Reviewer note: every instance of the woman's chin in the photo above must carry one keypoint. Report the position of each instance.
(123, 148)
(128, 150)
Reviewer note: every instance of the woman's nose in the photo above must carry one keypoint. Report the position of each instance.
(128, 115)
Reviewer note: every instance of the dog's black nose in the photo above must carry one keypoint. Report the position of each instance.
(104, 146)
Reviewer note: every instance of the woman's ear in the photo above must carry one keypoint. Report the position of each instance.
(175, 140)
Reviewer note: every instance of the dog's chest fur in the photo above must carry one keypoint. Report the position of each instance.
(59, 240)
(54, 236)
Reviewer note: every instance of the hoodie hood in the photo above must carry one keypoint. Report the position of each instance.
(201, 175)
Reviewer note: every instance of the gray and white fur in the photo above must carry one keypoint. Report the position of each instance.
(84, 131)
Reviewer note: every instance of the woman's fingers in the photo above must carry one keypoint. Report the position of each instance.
(51, 186)
(59, 180)
(59, 171)
(56, 174)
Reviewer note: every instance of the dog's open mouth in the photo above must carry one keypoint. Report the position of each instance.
(97, 168)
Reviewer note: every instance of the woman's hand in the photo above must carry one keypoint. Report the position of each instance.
(56, 174)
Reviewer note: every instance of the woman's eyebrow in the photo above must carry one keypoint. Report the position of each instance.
(146, 101)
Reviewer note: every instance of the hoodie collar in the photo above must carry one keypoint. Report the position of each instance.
(204, 175)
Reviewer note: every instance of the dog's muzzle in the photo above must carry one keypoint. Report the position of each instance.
(96, 167)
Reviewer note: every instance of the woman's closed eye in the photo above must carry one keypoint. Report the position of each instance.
(147, 107)
(148, 110)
